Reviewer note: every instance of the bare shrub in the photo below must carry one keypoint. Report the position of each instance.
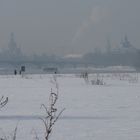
(3, 101)
(51, 114)
(10, 137)
(14, 134)
(97, 82)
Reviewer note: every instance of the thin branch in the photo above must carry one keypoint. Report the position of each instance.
(35, 133)
(3, 101)
(15, 134)
(58, 115)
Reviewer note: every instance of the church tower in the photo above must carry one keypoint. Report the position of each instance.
(13, 50)
(12, 44)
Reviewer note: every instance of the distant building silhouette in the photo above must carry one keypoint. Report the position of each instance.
(126, 46)
(12, 53)
(108, 46)
(125, 43)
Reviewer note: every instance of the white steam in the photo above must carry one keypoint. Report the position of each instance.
(96, 16)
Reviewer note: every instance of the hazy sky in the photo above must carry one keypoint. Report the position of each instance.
(68, 26)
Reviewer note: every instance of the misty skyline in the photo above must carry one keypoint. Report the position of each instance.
(64, 27)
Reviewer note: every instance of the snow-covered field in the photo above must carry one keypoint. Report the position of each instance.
(93, 112)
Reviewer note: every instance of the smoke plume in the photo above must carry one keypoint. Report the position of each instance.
(96, 16)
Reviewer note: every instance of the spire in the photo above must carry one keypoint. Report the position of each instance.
(108, 46)
(12, 44)
(12, 36)
(125, 43)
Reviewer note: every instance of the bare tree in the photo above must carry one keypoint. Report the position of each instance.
(51, 114)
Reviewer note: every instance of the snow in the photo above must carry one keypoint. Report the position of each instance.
(93, 112)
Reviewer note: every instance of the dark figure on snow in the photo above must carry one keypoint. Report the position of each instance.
(86, 75)
(15, 72)
(20, 72)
